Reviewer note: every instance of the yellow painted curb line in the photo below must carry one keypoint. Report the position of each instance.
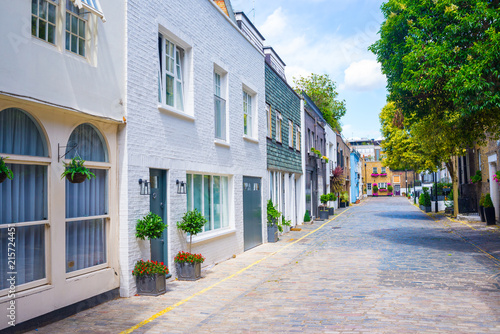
(170, 308)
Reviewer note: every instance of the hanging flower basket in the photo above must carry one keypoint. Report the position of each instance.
(375, 175)
(76, 178)
(383, 174)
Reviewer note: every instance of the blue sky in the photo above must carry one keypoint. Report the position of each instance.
(328, 37)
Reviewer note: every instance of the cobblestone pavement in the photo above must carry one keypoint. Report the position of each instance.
(381, 266)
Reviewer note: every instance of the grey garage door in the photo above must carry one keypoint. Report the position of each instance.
(252, 212)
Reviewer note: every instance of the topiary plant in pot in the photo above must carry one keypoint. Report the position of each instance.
(481, 207)
(187, 265)
(489, 210)
(323, 209)
(150, 276)
(333, 198)
(5, 172)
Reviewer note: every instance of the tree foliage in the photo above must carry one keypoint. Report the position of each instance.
(322, 91)
(442, 55)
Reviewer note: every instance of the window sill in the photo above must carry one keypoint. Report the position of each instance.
(27, 289)
(222, 143)
(250, 139)
(86, 272)
(212, 235)
(175, 112)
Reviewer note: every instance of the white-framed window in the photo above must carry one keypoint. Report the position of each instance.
(382, 185)
(87, 215)
(209, 194)
(170, 74)
(76, 26)
(297, 137)
(291, 130)
(382, 170)
(369, 186)
(375, 170)
(269, 121)
(43, 19)
(24, 214)
(279, 118)
(247, 114)
(220, 113)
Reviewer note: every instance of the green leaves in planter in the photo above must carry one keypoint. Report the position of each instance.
(488, 203)
(272, 213)
(150, 227)
(477, 177)
(307, 216)
(5, 169)
(324, 198)
(76, 166)
(192, 222)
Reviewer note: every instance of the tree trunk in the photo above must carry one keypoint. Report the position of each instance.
(190, 242)
(452, 166)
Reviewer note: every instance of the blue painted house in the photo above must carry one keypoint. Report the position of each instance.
(355, 176)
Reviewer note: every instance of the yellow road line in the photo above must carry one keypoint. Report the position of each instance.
(170, 308)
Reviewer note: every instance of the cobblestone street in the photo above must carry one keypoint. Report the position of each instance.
(381, 266)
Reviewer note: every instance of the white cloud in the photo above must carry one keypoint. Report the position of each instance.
(364, 75)
(274, 25)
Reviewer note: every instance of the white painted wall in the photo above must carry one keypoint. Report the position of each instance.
(331, 145)
(154, 138)
(62, 90)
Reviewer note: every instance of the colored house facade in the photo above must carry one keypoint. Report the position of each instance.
(356, 181)
(376, 173)
(61, 97)
(284, 141)
(314, 132)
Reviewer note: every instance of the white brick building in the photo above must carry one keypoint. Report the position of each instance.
(195, 116)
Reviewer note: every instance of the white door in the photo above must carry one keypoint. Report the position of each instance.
(369, 189)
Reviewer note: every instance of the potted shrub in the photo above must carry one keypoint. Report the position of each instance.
(323, 209)
(307, 217)
(187, 265)
(425, 200)
(389, 189)
(476, 178)
(489, 210)
(331, 210)
(344, 199)
(272, 222)
(150, 276)
(375, 189)
(481, 207)
(5, 172)
(76, 172)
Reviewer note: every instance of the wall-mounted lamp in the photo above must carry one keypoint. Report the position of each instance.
(144, 186)
(181, 187)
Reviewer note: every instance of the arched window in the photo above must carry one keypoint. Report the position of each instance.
(87, 202)
(23, 200)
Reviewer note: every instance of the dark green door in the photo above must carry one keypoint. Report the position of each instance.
(252, 212)
(157, 205)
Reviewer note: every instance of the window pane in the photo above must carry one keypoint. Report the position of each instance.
(81, 47)
(180, 98)
(74, 24)
(68, 41)
(85, 244)
(90, 144)
(33, 25)
(42, 29)
(169, 90)
(224, 201)
(189, 192)
(217, 202)
(178, 66)
(249, 128)
(89, 198)
(245, 123)
(81, 28)
(207, 201)
(42, 9)
(30, 254)
(52, 14)
(197, 192)
(74, 44)
(24, 198)
(68, 21)
(34, 7)
(51, 36)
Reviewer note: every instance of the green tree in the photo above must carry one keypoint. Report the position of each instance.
(322, 91)
(442, 61)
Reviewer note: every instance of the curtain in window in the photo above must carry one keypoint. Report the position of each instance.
(86, 239)
(85, 244)
(20, 134)
(29, 254)
(90, 144)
